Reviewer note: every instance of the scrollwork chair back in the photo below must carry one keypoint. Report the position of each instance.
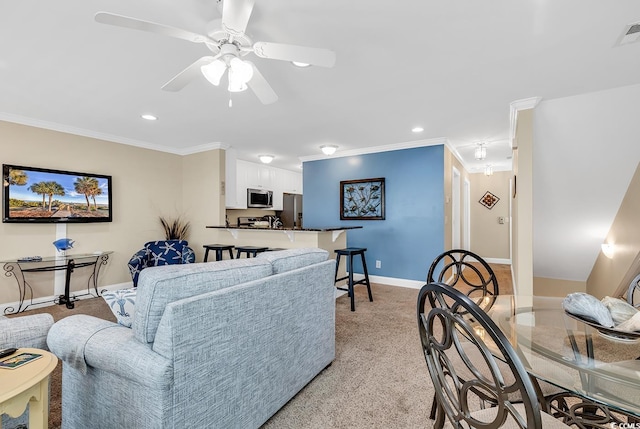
(447, 320)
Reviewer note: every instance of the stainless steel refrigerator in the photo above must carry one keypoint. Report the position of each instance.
(291, 215)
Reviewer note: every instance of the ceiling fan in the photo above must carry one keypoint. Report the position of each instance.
(228, 43)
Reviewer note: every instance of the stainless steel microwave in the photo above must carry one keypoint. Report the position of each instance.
(259, 198)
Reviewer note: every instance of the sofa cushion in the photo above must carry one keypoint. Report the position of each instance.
(158, 286)
(292, 259)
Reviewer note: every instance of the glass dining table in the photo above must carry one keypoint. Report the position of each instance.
(597, 368)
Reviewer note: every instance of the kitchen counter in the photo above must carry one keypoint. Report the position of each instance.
(260, 228)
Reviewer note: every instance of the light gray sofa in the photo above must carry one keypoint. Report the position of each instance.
(23, 331)
(213, 345)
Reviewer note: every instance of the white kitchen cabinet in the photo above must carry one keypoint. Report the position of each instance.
(241, 175)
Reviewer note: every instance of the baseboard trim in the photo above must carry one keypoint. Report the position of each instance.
(498, 261)
(391, 281)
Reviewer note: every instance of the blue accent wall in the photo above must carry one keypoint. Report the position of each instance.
(412, 234)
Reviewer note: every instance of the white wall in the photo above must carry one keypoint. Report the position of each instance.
(585, 152)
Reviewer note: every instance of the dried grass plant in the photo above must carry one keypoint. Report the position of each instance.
(175, 229)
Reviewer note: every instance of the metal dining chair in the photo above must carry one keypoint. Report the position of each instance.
(447, 319)
(473, 276)
(468, 272)
(634, 289)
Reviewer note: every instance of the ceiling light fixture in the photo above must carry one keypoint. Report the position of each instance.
(607, 250)
(299, 64)
(149, 117)
(480, 152)
(329, 149)
(417, 129)
(488, 170)
(266, 159)
(240, 72)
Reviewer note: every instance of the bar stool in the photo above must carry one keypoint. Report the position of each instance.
(350, 252)
(249, 251)
(219, 248)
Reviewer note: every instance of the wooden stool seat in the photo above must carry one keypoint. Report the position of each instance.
(350, 252)
(249, 250)
(219, 248)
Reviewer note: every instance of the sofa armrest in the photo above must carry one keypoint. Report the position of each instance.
(25, 331)
(83, 341)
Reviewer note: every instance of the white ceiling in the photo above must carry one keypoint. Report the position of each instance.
(452, 67)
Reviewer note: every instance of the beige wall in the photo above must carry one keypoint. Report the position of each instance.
(146, 185)
(612, 276)
(522, 205)
(555, 287)
(489, 238)
(202, 198)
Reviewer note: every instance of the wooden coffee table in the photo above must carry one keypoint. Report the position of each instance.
(28, 384)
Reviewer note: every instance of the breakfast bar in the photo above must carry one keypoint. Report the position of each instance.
(327, 238)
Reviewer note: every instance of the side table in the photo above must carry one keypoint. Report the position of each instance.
(28, 385)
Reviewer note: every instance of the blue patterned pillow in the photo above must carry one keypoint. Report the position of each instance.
(122, 303)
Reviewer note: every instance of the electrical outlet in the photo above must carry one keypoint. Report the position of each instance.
(378, 264)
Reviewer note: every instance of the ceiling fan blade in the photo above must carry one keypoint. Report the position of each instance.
(261, 87)
(181, 80)
(235, 15)
(151, 27)
(279, 51)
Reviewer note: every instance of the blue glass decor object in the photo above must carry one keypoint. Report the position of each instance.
(63, 244)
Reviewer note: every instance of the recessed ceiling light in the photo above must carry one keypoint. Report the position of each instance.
(149, 117)
(417, 129)
(299, 64)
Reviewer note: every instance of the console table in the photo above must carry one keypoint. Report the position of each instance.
(68, 263)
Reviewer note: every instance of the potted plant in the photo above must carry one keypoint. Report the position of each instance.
(175, 229)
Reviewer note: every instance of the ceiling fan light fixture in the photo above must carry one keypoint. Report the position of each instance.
(240, 73)
(241, 69)
(266, 159)
(299, 64)
(329, 149)
(213, 71)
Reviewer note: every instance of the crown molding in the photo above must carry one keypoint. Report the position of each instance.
(53, 126)
(377, 149)
(514, 108)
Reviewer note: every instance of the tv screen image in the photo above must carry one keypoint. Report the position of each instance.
(32, 194)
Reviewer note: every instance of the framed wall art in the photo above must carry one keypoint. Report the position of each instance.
(489, 200)
(362, 199)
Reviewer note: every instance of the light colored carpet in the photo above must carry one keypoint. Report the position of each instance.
(379, 378)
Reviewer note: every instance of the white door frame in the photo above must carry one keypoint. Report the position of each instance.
(455, 209)
(466, 213)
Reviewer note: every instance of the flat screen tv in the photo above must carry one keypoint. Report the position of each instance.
(40, 195)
